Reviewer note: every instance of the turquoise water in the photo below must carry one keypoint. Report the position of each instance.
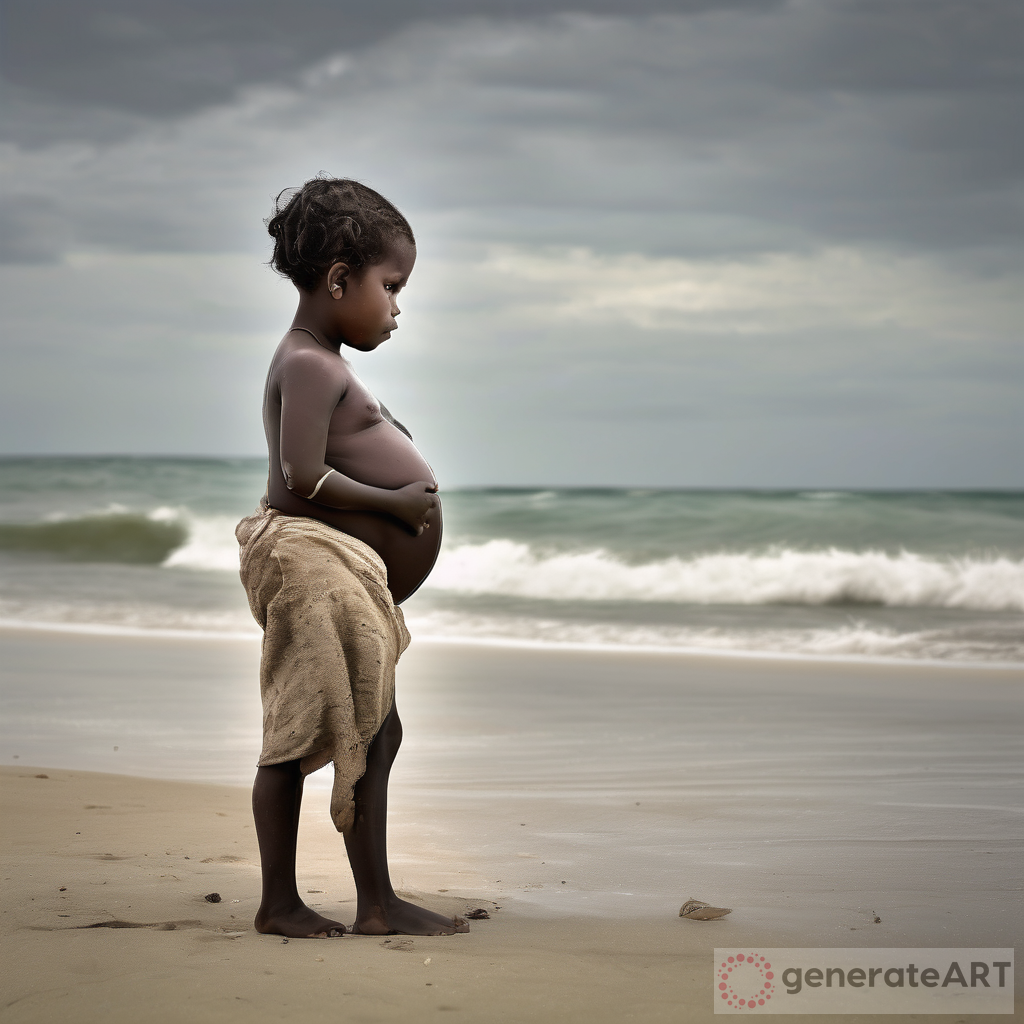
(126, 544)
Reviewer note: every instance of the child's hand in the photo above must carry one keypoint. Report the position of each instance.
(413, 503)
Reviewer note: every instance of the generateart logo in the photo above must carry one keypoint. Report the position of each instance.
(753, 983)
(863, 980)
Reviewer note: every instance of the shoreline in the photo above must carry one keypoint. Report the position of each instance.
(514, 643)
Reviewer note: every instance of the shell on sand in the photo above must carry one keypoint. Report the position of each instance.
(696, 910)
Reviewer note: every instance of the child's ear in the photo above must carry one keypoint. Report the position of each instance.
(337, 280)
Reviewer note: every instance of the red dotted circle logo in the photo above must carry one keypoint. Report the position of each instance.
(745, 981)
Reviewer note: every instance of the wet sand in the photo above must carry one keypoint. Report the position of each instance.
(586, 796)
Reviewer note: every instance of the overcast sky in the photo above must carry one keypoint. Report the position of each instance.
(751, 243)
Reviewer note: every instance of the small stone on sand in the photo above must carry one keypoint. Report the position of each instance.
(212, 897)
(697, 910)
(478, 915)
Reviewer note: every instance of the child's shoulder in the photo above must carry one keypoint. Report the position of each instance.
(301, 355)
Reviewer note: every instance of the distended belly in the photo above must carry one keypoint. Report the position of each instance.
(382, 457)
(409, 558)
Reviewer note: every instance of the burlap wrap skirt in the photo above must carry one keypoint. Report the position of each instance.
(331, 639)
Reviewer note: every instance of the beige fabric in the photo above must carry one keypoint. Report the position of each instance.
(331, 638)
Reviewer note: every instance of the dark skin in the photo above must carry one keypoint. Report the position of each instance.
(319, 416)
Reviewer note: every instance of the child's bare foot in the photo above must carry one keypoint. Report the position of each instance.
(298, 922)
(403, 918)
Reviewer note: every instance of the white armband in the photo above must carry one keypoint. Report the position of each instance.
(320, 483)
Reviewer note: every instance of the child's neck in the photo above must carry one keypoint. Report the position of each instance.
(312, 316)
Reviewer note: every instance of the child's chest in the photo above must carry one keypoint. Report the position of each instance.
(357, 410)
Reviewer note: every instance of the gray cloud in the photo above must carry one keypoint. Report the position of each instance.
(32, 230)
(159, 58)
(736, 243)
(714, 132)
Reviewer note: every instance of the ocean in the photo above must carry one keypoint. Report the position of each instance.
(145, 546)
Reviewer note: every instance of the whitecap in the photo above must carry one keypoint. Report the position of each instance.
(831, 576)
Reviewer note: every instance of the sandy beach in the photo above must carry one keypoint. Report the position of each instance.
(579, 798)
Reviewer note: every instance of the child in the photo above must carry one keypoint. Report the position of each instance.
(349, 527)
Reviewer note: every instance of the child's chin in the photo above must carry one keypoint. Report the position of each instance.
(368, 344)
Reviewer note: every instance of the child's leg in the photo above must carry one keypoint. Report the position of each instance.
(379, 911)
(276, 799)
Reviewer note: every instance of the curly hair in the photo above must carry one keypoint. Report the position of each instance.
(328, 221)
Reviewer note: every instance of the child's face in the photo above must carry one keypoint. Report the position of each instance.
(365, 309)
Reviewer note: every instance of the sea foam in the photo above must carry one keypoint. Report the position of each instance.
(775, 576)
(210, 545)
(850, 641)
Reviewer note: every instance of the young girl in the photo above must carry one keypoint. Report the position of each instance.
(349, 527)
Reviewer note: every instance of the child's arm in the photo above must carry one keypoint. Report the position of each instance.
(311, 388)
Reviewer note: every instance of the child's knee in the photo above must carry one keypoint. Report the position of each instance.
(390, 735)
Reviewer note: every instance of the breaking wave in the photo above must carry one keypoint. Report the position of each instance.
(775, 576)
(112, 536)
(210, 544)
(178, 538)
(164, 536)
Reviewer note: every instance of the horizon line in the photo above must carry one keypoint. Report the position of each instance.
(765, 488)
